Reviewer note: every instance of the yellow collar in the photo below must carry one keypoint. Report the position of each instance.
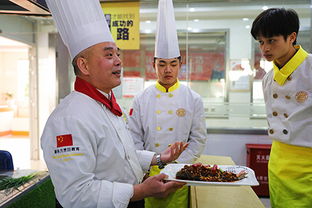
(280, 75)
(172, 88)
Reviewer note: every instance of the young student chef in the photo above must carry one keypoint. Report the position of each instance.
(168, 111)
(287, 93)
(89, 152)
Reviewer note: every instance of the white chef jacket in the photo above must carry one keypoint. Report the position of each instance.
(289, 107)
(101, 166)
(160, 118)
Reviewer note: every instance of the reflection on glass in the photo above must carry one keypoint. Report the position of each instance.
(204, 70)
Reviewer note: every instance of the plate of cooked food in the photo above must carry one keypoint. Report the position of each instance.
(201, 175)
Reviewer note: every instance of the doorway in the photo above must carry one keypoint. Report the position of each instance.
(14, 101)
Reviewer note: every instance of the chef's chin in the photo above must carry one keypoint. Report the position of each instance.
(117, 83)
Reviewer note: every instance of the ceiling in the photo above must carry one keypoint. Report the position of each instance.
(212, 8)
(223, 9)
(24, 7)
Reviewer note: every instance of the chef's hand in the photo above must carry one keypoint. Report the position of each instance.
(156, 187)
(173, 152)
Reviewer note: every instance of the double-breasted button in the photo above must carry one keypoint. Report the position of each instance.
(275, 113)
(287, 97)
(286, 115)
(158, 111)
(271, 131)
(157, 144)
(275, 95)
(170, 112)
(158, 128)
(285, 131)
(170, 129)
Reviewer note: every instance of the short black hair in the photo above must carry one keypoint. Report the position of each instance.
(274, 22)
(74, 63)
(179, 58)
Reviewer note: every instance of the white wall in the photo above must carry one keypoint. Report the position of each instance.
(9, 70)
(6, 120)
(9, 84)
(233, 145)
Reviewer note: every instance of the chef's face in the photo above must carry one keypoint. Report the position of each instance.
(102, 66)
(277, 49)
(167, 71)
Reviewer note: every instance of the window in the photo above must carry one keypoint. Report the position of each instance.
(221, 61)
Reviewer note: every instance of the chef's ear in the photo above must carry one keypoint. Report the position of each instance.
(180, 60)
(154, 63)
(293, 37)
(82, 64)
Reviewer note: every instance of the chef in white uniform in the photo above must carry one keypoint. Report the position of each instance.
(89, 152)
(168, 111)
(287, 92)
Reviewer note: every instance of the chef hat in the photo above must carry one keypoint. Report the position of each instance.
(81, 23)
(166, 45)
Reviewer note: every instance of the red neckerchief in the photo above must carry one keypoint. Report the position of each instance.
(87, 89)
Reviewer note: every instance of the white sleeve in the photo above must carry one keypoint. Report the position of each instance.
(72, 172)
(198, 135)
(145, 158)
(135, 125)
(266, 81)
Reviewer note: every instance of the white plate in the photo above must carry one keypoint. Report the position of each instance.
(250, 180)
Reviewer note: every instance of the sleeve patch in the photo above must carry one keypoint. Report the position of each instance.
(64, 140)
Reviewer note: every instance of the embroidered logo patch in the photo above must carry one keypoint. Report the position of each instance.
(181, 112)
(64, 140)
(301, 96)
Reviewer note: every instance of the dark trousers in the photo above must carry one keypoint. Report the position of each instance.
(136, 204)
(57, 204)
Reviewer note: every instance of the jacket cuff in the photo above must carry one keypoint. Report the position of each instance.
(122, 193)
(145, 158)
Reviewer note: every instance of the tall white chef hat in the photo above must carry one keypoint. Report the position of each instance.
(166, 45)
(81, 23)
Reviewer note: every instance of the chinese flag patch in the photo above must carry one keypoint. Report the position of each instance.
(64, 140)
